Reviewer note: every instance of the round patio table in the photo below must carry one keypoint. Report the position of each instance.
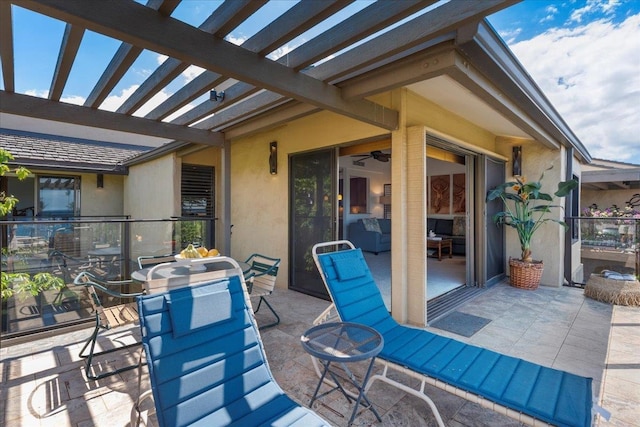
(341, 343)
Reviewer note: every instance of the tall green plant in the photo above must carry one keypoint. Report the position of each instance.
(524, 212)
(8, 201)
(20, 283)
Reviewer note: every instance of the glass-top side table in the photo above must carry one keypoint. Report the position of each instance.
(343, 342)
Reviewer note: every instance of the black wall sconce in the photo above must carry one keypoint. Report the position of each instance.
(100, 180)
(216, 96)
(517, 160)
(273, 158)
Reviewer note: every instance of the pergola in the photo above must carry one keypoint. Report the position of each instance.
(444, 50)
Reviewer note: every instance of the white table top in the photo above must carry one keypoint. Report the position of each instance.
(181, 269)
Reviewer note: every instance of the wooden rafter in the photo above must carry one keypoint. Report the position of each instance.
(289, 25)
(220, 23)
(141, 26)
(358, 26)
(6, 46)
(30, 106)
(68, 51)
(123, 59)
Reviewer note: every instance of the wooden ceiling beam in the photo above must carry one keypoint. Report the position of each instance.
(124, 57)
(358, 26)
(31, 106)
(441, 20)
(68, 50)
(223, 19)
(143, 27)
(286, 27)
(6, 46)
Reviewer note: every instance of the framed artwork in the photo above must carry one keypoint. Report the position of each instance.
(439, 202)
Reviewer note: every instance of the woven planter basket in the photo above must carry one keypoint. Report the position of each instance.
(525, 275)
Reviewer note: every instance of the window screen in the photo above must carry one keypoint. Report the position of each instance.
(197, 190)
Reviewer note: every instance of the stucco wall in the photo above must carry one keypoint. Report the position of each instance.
(106, 201)
(259, 200)
(547, 243)
(606, 198)
(150, 189)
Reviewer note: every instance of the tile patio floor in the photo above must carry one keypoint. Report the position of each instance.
(42, 382)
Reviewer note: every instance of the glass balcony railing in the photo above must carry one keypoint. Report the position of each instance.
(40, 260)
(609, 244)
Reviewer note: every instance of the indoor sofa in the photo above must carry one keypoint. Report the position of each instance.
(371, 234)
(453, 228)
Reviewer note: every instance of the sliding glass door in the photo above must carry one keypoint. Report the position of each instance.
(312, 215)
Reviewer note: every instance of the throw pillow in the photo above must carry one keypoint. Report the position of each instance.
(371, 224)
(458, 226)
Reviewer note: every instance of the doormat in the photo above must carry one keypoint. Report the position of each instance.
(461, 323)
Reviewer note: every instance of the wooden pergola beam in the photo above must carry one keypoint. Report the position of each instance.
(30, 106)
(144, 27)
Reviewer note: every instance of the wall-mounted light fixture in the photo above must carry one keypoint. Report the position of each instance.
(517, 160)
(385, 200)
(100, 180)
(273, 158)
(216, 96)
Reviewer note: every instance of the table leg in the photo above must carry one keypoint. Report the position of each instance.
(362, 396)
(451, 250)
(440, 251)
(335, 380)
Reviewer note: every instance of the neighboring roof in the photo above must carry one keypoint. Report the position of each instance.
(36, 150)
(610, 175)
(381, 47)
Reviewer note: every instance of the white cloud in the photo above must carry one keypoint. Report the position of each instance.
(551, 13)
(591, 75)
(510, 36)
(606, 7)
(191, 73)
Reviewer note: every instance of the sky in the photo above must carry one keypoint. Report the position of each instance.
(583, 54)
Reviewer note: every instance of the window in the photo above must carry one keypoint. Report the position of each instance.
(197, 190)
(58, 196)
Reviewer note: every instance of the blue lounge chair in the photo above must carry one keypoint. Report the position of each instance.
(206, 361)
(514, 387)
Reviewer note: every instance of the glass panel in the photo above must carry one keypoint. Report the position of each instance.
(312, 188)
(41, 258)
(495, 262)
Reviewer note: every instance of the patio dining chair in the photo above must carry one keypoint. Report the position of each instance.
(206, 361)
(261, 281)
(107, 317)
(528, 392)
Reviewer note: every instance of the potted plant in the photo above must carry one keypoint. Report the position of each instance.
(526, 209)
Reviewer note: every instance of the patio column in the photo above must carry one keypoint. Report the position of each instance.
(408, 255)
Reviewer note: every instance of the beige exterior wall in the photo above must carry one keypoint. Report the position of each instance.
(259, 200)
(106, 201)
(547, 244)
(151, 189)
(606, 198)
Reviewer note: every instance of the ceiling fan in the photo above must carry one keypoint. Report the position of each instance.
(377, 155)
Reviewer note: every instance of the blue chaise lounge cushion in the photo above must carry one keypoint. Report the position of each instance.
(557, 397)
(192, 309)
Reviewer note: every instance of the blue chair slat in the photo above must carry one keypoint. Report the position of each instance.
(215, 374)
(553, 396)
